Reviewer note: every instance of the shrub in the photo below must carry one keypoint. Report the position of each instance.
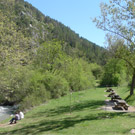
(55, 84)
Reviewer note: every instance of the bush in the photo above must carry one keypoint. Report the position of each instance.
(40, 95)
(55, 84)
(43, 87)
(78, 74)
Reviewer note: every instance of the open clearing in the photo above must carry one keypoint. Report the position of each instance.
(78, 113)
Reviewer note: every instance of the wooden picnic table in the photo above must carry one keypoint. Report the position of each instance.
(109, 90)
(115, 97)
(111, 94)
(121, 104)
(121, 101)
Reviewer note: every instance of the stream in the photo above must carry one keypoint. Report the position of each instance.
(5, 112)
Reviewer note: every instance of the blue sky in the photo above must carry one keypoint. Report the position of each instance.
(75, 14)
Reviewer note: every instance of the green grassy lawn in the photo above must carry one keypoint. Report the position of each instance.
(124, 93)
(84, 117)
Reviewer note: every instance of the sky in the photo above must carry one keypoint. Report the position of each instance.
(75, 14)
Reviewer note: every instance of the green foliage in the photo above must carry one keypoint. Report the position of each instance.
(80, 46)
(56, 84)
(114, 73)
(33, 24)
(49, 55)
(43, 87)
(33, 66)
(14, 83)
(79, 75)
(36, 91)
(115, 20)
(96, 70)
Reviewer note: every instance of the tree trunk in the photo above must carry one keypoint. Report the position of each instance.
(132, 85)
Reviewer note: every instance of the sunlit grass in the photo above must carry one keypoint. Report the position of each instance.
(77, 113)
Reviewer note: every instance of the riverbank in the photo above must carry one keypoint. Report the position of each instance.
(5, 112)
(76, 114)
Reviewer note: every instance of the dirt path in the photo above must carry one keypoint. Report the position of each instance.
(6, 125)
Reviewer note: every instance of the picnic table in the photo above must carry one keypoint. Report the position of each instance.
(111, 94)
(115, 97)
(121, 104)
(109, 90)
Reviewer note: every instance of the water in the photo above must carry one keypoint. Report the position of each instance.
(5, 112)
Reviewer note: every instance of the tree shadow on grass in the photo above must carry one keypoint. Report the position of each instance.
(127, 98)
(73, 108)
(56, 125)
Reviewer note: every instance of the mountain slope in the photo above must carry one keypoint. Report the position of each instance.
(40, 58)
(42, 28)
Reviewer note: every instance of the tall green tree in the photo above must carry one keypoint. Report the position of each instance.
(114, 73)
(117, 18)
(49, 55)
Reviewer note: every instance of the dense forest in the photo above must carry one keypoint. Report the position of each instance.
(40, 58)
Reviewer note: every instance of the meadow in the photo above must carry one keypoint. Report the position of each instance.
(78, 113)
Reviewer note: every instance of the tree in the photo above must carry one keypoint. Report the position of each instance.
(117, 18)
(49, 55)
(114, 73)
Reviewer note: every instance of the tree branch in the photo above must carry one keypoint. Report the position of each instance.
(116, 33)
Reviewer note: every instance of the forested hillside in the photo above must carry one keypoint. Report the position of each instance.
(40, 58)
(32, 23)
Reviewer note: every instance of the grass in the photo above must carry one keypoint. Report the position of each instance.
(78, 113)
(124, 93)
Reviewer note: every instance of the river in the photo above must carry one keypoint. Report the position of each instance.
(5, 112)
